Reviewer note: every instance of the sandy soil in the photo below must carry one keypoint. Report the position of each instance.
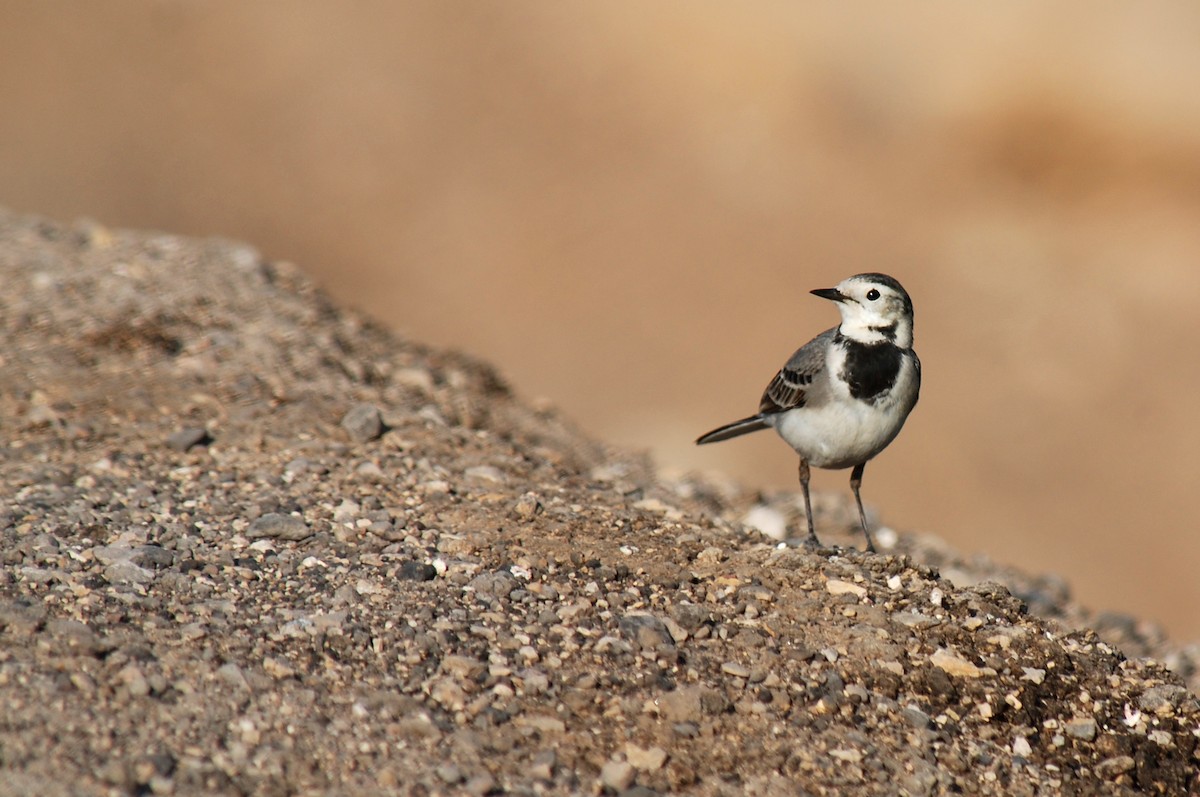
(253, 543)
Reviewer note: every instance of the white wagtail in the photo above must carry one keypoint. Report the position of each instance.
(844, 395)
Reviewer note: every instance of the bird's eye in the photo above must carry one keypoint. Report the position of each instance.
(872, 294)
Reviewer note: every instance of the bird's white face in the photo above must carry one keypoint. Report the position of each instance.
(875, 310)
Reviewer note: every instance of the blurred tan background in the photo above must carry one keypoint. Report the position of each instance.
(624, 204)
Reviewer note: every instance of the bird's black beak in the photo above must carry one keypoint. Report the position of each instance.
(833, 294)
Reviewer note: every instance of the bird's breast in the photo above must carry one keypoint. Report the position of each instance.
(865, 408)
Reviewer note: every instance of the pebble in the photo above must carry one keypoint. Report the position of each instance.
(735, 669)
(690, 616)
(1033, 674)
(496, 585)
(646, 630)
(188, 437)
(953, 664)
(416, 571)
(363, 423)
(449, 773)
(527, 506)
(127, 573)
(542, 766)
(1111, 768)
(135, 680)
(1162, 700)
(479, 785)
(278, 526)
(837, 587)
(484, 473)
(617, 775)
(682, 705)
(1081, 728)
(647, 760)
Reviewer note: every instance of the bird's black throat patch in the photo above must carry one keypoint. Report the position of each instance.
(871, 368)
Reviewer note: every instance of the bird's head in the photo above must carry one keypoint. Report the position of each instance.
(875, 308)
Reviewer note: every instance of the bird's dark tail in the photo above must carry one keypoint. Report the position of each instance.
(744, 426)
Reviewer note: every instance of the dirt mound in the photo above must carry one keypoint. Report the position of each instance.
(252, 543)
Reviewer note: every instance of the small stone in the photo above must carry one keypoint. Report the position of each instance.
(127, 573)
(135, 681)
(447, 692)
(463, 667)
(690, 616)
(646, 630)
(347, 511)
(617, 775)
(232, 675)
(1111, 768)
(449, 773)
(1161, 738)
(1021, 747)
(678, 633)
(369, 471)
(154, 557)
(848, 754)
(1033, 674)
(363, 423)
(494, 585)
(649, 760)
(917, 718)
(278, 526)
(682, 705)
(953, 664)
(837, 587)
(278, 668)
(1162, 700)
(1081, 728)
(542, 766)
(188, 437)
(480, 785)
(416, 571)
(735, 669)
(543, 723)
(527, 506)
(111, 554)
(484, 473)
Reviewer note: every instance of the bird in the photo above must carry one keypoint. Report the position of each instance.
(844, 395)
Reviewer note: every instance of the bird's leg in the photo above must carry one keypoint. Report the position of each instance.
(804, 475)
(855, 483)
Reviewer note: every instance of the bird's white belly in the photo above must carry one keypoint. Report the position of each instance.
(839, 434)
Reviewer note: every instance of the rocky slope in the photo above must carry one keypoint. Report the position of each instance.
(252, 543)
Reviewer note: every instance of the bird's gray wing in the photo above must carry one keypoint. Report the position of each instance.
(791, 386)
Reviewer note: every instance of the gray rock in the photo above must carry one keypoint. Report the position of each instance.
(690, 616)
(126, 572)
(1110, 768)
(1084, 728)
(188, 437)
(495, 585)
(154, 557)
(683, 705)
(617, 775)
(1162, 699)
(416, 571)
(111, 554)
(646, 630)
(280, 527)
(363, 423)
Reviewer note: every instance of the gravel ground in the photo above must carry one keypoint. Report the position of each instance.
(251, 543)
